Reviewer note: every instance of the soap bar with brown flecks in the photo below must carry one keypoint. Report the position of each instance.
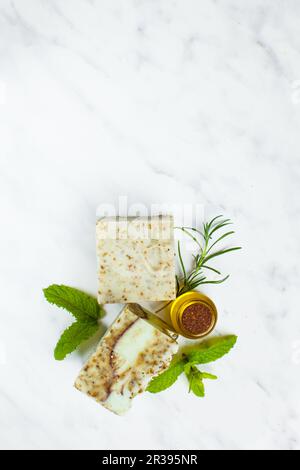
(135, 259)
(131, 352)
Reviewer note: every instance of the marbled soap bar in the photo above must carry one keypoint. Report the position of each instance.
(135, 259)
(131, 352)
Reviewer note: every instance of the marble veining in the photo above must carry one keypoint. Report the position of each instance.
(162, 102)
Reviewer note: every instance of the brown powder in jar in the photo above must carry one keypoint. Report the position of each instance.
(197, 318)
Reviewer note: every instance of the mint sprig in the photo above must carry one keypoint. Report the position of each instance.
(204, 353)
(195, 378)
(83, 307)
(211, 350)
(167, 378)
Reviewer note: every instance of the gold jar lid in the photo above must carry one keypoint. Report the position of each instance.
(193, 315)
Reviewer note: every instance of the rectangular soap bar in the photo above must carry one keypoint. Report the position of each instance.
(130, 353)
(136, 260)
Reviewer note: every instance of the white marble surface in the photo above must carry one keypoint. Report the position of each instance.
(162, 101)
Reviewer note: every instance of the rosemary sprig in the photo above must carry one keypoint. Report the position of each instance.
(204, 240)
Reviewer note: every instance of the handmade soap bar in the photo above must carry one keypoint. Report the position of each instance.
(135, 259)
(131, 352)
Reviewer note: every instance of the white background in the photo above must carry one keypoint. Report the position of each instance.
(161, 101)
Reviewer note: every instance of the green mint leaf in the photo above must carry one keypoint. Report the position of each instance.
(212, 350)
(81, 305)
(167, 378)
(187, 368)
(206, 352)
(196, 383)
(205, 375)
(73, 336)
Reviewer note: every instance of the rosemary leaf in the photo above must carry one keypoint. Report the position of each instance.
(222, 252)
(196, 276)
(181, 262)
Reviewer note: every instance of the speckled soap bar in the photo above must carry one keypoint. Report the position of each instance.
(130, 353)
(135, 259)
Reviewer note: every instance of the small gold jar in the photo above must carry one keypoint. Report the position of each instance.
(193, 315)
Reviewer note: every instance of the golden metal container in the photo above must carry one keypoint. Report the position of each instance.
(153, 319)
(180, 305)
